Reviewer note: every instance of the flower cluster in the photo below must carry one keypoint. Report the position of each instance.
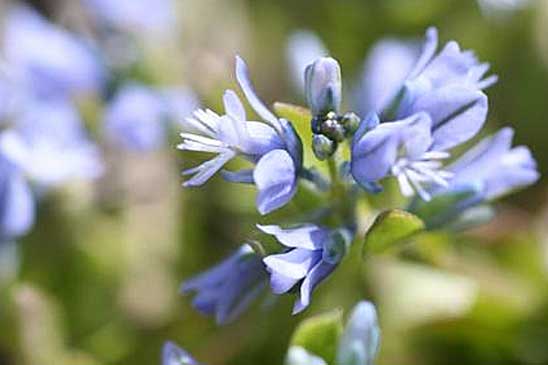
(416, 106)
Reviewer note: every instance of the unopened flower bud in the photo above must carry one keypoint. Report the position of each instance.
(333, 129)
(323, 86)
(323, 147)
(336, 246)
(350, 122)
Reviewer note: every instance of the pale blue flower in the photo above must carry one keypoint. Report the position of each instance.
(135, 16)
(45, 60)
(360, 340)
(443, 89)
(50, 146)
(136, 118)
(174, 355)
(313, 254)
(493, 168)
(17, 207)
(323, 86)
(229, 288)
(272, 145)
(402, 149)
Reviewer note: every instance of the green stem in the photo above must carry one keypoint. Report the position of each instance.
(338, 194)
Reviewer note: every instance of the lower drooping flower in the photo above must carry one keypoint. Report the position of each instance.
(273, 146)
(314, 252)
(174, 355)
(228, 289)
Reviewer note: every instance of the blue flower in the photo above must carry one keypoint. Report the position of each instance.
(323, 86)
(50, 146)
(46, 60)
(17, 208)
(229, 288)
(174, 355)
(402, 149)
(314, 252)
(360, 340)
(443, 106)
(492, 169)
(272, 145)
(384, 72)
(136, 118)
(135, 16)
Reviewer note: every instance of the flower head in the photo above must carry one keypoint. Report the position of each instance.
(272, 145)
(442, 105)
(46, 60)
(136, 118)
(50, 146)
(229, 288)
(314, 252)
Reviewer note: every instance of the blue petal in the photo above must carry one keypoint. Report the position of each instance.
(388, 64)
(375, 153)
(276, 180)
(294, 264)
(242, 75)
(361, 338)
(309, 236)
(242, 176)
(428, 50)
(233, 105)
(314, 278)
(206, 170)
(457, 115)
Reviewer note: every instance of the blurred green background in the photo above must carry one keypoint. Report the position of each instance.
(97, 279)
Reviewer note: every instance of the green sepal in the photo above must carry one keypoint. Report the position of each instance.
(294, 113)
(390, 228)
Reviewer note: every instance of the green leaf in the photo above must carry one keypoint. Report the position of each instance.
(390, 228)
(319, 335)
(294, 113)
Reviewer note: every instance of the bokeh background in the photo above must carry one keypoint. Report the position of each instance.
(96, 281)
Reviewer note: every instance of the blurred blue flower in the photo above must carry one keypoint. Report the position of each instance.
(228, 289)
(384, 72)
(50, 146)
(313, 254)
(16, 202)
(303, 48)
(273, 145)
(492, 169)
(45, 60)
(323, 86)
(136, 118)
(174, 355)
(135, 16)
(360, 340)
